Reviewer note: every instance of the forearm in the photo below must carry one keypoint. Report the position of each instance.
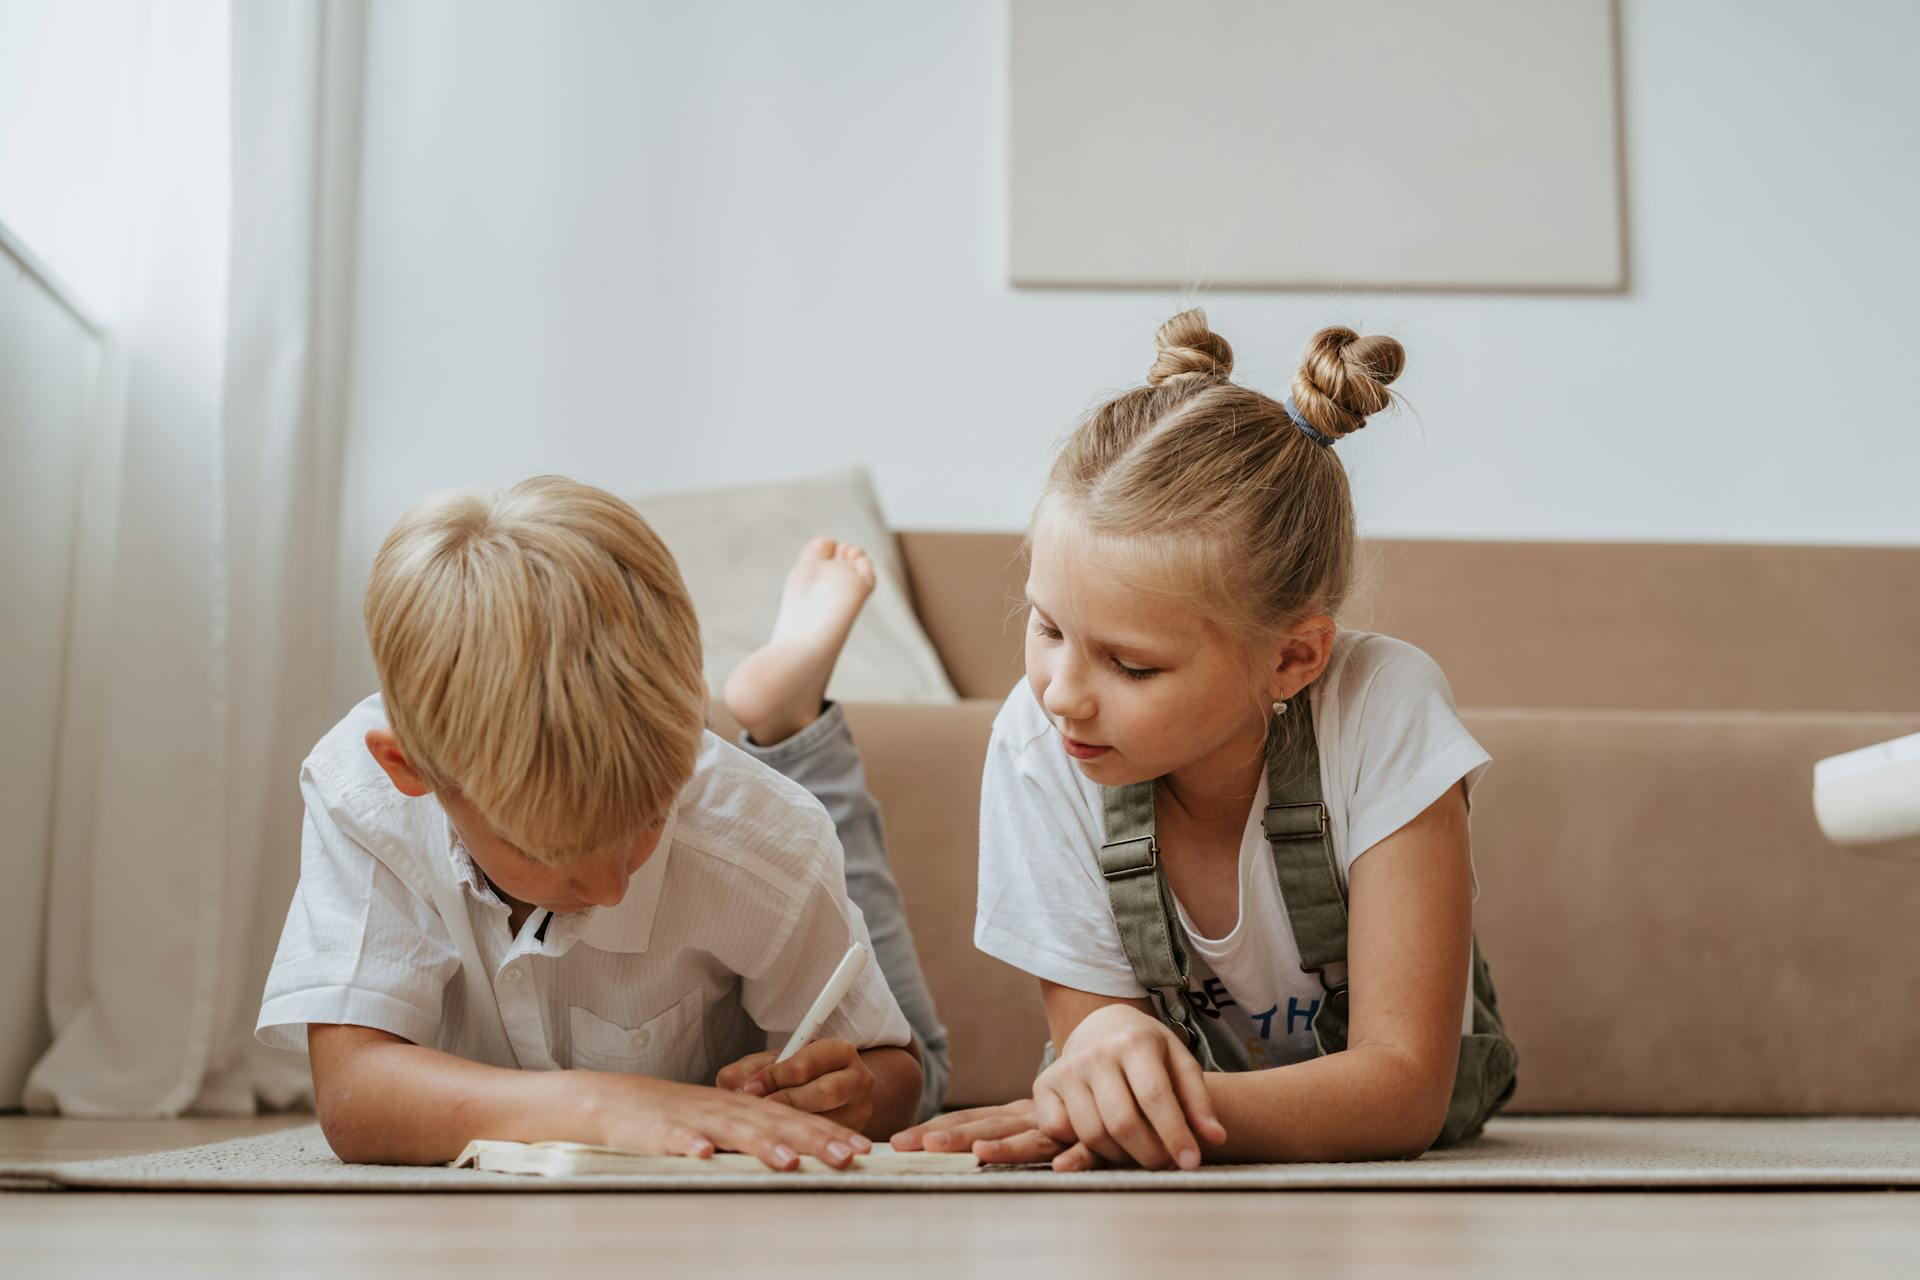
(1371, 1102)
(390, 1102)
(896, 1090)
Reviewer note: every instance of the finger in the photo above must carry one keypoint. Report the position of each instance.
(1088, 1126)
(812, 1062)
(1015, 1116)
(914, 1137)
(1028, 1147)
(819, 1137)
(1190, 1084)
(1126, 1125)
(943, 1131)
(736, 1074)
(742, 1133)
(1153, 1093)
(779, 1135)
(851, 1117)
(1050, 1112)
(961, 1137)
(1078, 1158)
(832, 1091)
(682, 1141)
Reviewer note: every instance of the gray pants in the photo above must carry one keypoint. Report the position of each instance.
(823, 759)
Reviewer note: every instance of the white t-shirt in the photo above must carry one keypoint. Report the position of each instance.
(1390, 745)
(726, 935)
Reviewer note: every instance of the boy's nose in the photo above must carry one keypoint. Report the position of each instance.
(606, 886)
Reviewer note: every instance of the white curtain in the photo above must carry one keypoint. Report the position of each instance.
(204, 575)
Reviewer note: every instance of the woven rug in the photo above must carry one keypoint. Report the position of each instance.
(1522, 1152)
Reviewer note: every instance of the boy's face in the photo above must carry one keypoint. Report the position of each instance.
(598, 878)
(595, 879)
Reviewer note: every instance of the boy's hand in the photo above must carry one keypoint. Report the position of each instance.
(1125, 1090)
(827, 1078)
(658, 1117)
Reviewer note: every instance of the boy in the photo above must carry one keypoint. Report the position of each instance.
(537, 900)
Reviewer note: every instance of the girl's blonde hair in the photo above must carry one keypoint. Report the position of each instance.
(539, 656)
(1214, 490)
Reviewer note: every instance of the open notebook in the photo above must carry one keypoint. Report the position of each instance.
(575, 1159)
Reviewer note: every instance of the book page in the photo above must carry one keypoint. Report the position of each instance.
(575, 1159)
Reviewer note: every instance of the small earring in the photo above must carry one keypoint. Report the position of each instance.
(1280, 707)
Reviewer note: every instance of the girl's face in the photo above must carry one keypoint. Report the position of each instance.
(1136, 687)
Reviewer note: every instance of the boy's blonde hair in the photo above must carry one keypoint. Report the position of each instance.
(539, 656)
(1213, 490)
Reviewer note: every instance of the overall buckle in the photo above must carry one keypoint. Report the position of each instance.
(1133, 857)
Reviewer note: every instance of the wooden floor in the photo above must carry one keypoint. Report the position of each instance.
(161, 1234)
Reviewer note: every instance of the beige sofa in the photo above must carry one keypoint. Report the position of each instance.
(1668, 931)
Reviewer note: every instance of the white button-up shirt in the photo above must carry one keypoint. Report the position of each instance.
(726, 934)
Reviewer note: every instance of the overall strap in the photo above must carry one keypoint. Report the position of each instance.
(1144, 911)
(1316, 905)
(1303, 858)
(1296, 827)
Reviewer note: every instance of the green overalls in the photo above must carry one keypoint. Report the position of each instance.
(1296, 826)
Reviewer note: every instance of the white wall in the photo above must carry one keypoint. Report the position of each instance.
(65, 146)
(660, 245)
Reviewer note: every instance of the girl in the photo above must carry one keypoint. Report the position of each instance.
(1229, 840)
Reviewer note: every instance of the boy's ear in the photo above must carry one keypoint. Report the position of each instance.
(385, 750)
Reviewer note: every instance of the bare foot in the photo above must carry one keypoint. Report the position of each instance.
(779, 689)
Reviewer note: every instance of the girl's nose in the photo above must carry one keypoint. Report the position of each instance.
(1067, 696)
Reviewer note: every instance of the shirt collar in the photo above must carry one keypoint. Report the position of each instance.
(627, 927)
(467, 871)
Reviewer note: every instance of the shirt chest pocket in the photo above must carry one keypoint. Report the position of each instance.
(663, 1046)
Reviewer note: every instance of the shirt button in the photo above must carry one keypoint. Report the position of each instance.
(641, 1038)
(514, 975)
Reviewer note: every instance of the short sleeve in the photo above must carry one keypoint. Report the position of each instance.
(1401, 742)
(798, 963)
(1043, 905)
(359, 947)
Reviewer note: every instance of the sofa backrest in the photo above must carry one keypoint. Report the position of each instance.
(1539, 624)
(1667, 929)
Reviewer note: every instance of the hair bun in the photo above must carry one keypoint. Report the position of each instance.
(1186, 348)
(1344, 378)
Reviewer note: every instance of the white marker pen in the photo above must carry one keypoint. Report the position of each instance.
(827, 1001)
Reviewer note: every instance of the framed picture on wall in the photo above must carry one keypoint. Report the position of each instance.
(1474, 144)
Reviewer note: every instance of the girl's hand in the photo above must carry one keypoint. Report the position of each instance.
(996, 1135)
(1126, 1090)
(658, 1117)
(828, 1078)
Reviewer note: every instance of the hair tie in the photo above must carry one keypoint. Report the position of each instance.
(1293, 411)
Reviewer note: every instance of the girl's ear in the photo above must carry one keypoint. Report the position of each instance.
(385, 750)
(1301, 655)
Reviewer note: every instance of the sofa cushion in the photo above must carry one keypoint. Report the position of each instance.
(1667, 929)
(735, 547)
